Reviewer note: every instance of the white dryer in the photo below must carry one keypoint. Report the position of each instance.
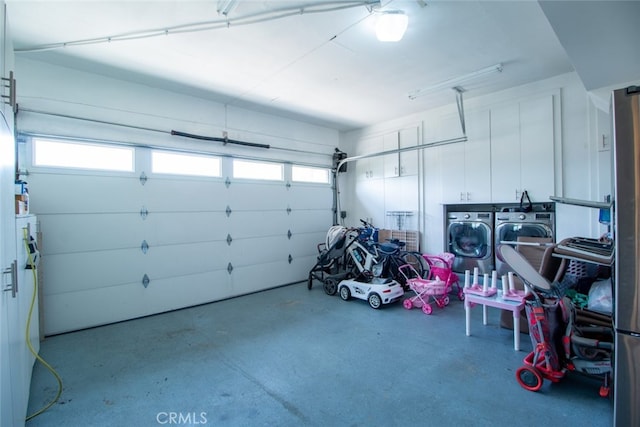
(470, 239)
(509, 226)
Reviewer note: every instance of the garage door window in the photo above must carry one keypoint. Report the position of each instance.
(67, 154)
(308, 174)
(248, 169)
(185, 164)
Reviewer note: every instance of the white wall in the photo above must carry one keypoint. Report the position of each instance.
(580, 168)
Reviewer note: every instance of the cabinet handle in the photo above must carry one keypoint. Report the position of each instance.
(468, 196)
(517, 194)
(461, 196)
(13, 284)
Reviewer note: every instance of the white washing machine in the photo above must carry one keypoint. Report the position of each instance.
(511, 225)
(470, 238)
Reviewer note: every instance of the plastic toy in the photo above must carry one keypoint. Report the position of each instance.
(424, 290)
(440, 266)
(377, 292)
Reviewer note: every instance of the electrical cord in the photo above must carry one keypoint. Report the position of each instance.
(28, 338)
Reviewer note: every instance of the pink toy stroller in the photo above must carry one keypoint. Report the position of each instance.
(424, 290)
(440, 266)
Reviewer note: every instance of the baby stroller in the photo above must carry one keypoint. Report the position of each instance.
(344, 256)
(560, 344)
(424, 290)
(330, 267)
(440, 266)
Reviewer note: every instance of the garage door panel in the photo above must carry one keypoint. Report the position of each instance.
(249, 224)
(81, 193)
(305, 244)
(86, 232)
(258, 277)
(185, 227)
(310, 197)
(186, 259)
(258, 250)
(84, 309)
(257, 196)
(91, 270)
(95, 307)
(299, 268)
(185, 291)
(305, 263)
(304, 221)
(163, 195)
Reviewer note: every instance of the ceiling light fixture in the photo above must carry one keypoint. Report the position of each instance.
(455, 82)
(391, 25)
(225, 7)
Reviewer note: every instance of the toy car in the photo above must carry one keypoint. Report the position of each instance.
(377, 292)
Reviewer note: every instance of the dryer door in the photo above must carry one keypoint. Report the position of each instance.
(470, 239)
(510, 231)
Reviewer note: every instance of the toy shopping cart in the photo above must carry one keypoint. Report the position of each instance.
(440, 266)
(424, 290)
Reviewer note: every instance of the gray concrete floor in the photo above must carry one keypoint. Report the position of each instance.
(294, 357)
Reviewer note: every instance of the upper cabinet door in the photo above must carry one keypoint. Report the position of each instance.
(409, 137)
(537, 148)
(477, 155)
(391, 161)
(369, 167)
(505, 153)
(522, 150)
(466, 165)
(452, 159)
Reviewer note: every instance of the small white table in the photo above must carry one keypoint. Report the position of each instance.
(497, 301)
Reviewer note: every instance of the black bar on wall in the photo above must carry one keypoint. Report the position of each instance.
(224, 140)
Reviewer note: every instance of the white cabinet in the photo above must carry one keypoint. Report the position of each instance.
(465, 166)
(370, 167)
(403, 163)
(522, 150)
(16, 357)
(409, 137)
(369, 190)
(23, 358)
(433, 236)
(12, 337)
(6, 69)
(391, 161)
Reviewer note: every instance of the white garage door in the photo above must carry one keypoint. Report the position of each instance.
(120, 245)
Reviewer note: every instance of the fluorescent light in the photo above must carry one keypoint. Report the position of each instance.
(456, 81)
(226, 6)
(391, 25)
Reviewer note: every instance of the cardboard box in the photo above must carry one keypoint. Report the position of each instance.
(22, 208)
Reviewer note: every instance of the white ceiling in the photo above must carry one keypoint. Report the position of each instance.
(327, 68)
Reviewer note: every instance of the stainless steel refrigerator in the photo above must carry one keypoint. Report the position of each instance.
(625, 108)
